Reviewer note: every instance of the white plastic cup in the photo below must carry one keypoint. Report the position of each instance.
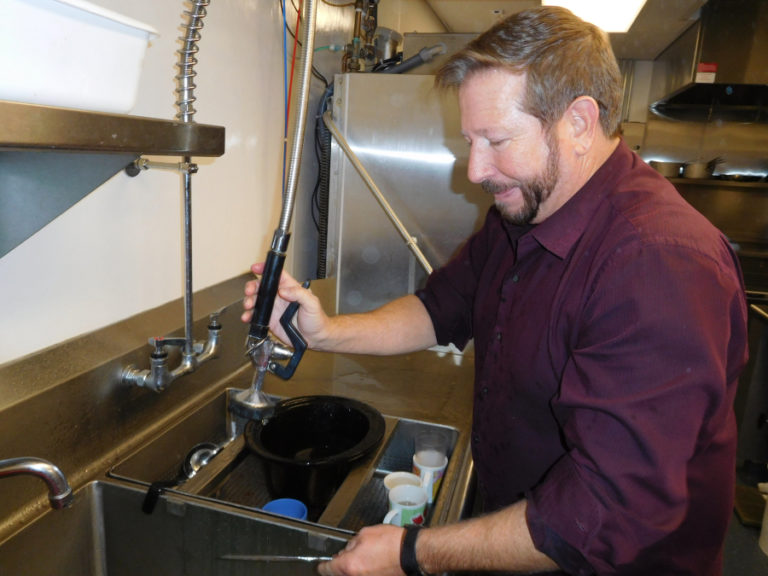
(394, 479)
(406, 505)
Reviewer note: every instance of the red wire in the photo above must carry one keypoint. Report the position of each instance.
(293, 64)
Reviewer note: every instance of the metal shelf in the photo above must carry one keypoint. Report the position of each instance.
(718, 183)
(50, 158)
(33, 127)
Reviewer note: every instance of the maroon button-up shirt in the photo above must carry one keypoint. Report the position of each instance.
(608, 344)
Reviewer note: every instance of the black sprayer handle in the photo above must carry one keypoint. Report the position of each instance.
(285, 371)
(265, 299)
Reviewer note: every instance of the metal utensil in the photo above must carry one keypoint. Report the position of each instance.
(274, 558)
(667, 169)
(701, 169)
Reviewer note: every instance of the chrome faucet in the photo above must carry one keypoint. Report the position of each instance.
(193, 354)
(158, 376)
(59, 492)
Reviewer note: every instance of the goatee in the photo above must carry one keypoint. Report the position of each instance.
(532, 197)
(534, 190)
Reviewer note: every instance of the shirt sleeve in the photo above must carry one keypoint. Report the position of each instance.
(449, 294)
(647, 388)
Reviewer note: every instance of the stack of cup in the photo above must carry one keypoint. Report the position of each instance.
(407, 501)
(411, 492)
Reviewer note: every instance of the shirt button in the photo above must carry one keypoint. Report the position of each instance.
(515, 278)
(498, 336)
(476, 438)
(484, 391)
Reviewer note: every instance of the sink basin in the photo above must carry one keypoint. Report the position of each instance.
(236, 476)
(105, 532)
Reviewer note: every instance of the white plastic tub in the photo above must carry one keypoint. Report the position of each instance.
(70, 53)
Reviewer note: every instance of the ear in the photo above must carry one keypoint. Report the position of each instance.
(583, 123)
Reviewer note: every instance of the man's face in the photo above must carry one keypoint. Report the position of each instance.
(511, 155)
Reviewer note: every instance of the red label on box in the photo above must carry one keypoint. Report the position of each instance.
(707, 67)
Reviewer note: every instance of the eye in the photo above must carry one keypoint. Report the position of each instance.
(498, 143)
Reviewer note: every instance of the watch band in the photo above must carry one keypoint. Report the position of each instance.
(408, 562)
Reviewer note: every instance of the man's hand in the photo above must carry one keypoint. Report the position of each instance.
(311, 319)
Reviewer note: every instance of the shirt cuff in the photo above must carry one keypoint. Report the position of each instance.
(549, 542)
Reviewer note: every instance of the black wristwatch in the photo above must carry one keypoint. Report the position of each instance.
(408, 562)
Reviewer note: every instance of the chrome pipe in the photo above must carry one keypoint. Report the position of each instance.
(305, 73)
(188, 316)
(143, 164)
(59, 491)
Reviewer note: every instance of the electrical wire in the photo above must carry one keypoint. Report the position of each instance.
(315, 72)
(318, 201)
(288, 78)
(320, 155)
(293, 65)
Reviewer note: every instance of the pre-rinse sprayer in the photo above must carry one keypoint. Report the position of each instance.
(261, 350)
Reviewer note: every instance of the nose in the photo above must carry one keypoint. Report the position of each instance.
(479, 167)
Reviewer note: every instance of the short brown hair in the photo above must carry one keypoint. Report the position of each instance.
(562, 56)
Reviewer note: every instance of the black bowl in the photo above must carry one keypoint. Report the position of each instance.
(310, 443)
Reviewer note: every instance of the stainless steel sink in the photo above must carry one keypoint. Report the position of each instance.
(236, 477)
(213, 514)
(106, 533)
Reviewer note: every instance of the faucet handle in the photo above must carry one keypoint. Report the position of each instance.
(159, 343)
(213, 320)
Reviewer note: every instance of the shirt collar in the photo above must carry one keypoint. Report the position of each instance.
(558, 233)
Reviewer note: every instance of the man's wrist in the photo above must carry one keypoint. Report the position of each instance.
(408, 562)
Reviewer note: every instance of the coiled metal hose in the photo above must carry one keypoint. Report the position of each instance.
(185, 87)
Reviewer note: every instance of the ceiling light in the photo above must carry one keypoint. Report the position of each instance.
(610, 15)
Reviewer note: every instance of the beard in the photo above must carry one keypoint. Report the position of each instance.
(534, 190)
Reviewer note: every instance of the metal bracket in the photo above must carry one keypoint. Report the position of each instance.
(140, 164)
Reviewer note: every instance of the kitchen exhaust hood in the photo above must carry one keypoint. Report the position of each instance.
(728, 74)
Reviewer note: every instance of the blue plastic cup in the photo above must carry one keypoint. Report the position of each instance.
(287, 507)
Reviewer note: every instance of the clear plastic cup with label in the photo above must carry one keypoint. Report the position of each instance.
(430, 460)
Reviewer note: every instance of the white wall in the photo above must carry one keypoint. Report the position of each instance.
(120, 250)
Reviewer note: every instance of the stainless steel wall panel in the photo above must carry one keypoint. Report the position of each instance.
(408, 137)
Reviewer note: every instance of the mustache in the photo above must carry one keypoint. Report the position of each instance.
(492, 187)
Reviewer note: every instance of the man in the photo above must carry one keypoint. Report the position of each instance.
(609, 323)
